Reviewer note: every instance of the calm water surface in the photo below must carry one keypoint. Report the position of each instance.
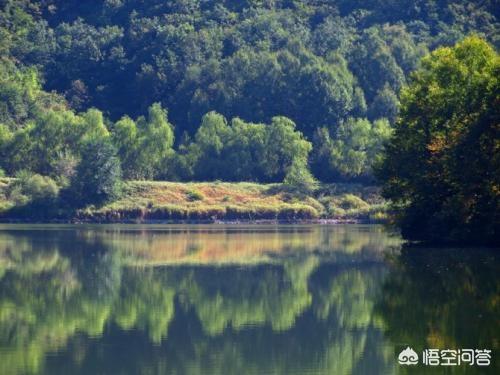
(237, 300)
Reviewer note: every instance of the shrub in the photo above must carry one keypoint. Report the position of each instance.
(335, 212)
(352, 202)
(33, 187)
(299, 177)
(16, 195)
(195, 195)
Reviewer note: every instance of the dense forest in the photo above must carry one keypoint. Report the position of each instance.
(254, 90)
(269, 91)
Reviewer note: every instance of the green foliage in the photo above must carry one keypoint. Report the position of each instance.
(283, 147)
(18, 91)
(353, 150)
(210, 140)
(65, 167)
(143, 145)
(253, 59)
(98, 175)
(243, 151)
(39, 145)
(157, 139)
(299, 177)
(442, 165)
(241, 86)
(195, 195)
(384, 105)
(21, 96)
(348, 154)
(33, 188)
(324, 67)
(350, 201)
(126, 140)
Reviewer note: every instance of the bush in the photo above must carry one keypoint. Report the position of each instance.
(30, 187)
(352, 202)
(299, 178)
(2, 173)
(98, 175)
(335, 212)
(195, 195)
(16, 195)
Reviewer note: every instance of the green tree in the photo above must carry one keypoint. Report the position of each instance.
(210, 140)
(245, 147)
(352, 151)
(283, 147)
(374, 64)
(38, 145)
(320, 157)
(156, 140)
(348, 154)
(442, 166)
(126, 140)
(242, 151)
(21, 94)
(144, 145)
(98, 175)
(384, 105)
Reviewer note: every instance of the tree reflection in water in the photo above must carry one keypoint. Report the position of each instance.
(82, 301)
(445, 299)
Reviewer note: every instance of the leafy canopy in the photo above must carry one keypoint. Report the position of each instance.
(442, 166)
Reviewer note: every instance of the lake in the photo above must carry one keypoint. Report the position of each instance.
(239, 299)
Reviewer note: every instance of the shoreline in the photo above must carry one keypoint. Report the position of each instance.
(201, 222)
(155, 202)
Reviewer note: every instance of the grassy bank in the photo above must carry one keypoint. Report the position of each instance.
(144, 201)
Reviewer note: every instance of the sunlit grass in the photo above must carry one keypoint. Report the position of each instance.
(152, 200)
(223, 201)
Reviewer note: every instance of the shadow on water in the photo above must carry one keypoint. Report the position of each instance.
(290, 300)
(443, 298)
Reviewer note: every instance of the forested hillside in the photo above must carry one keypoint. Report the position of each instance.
(204, 89)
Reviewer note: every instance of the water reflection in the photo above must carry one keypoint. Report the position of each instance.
(444, 299)
(231, 300)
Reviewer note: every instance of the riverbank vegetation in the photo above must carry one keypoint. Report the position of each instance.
(148, 201)
(300, 93)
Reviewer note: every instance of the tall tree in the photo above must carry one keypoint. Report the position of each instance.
(442, 166)
(98, 175)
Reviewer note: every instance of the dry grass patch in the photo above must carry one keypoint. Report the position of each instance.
(203, 201)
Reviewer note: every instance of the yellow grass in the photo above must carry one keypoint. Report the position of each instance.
(150, 201)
